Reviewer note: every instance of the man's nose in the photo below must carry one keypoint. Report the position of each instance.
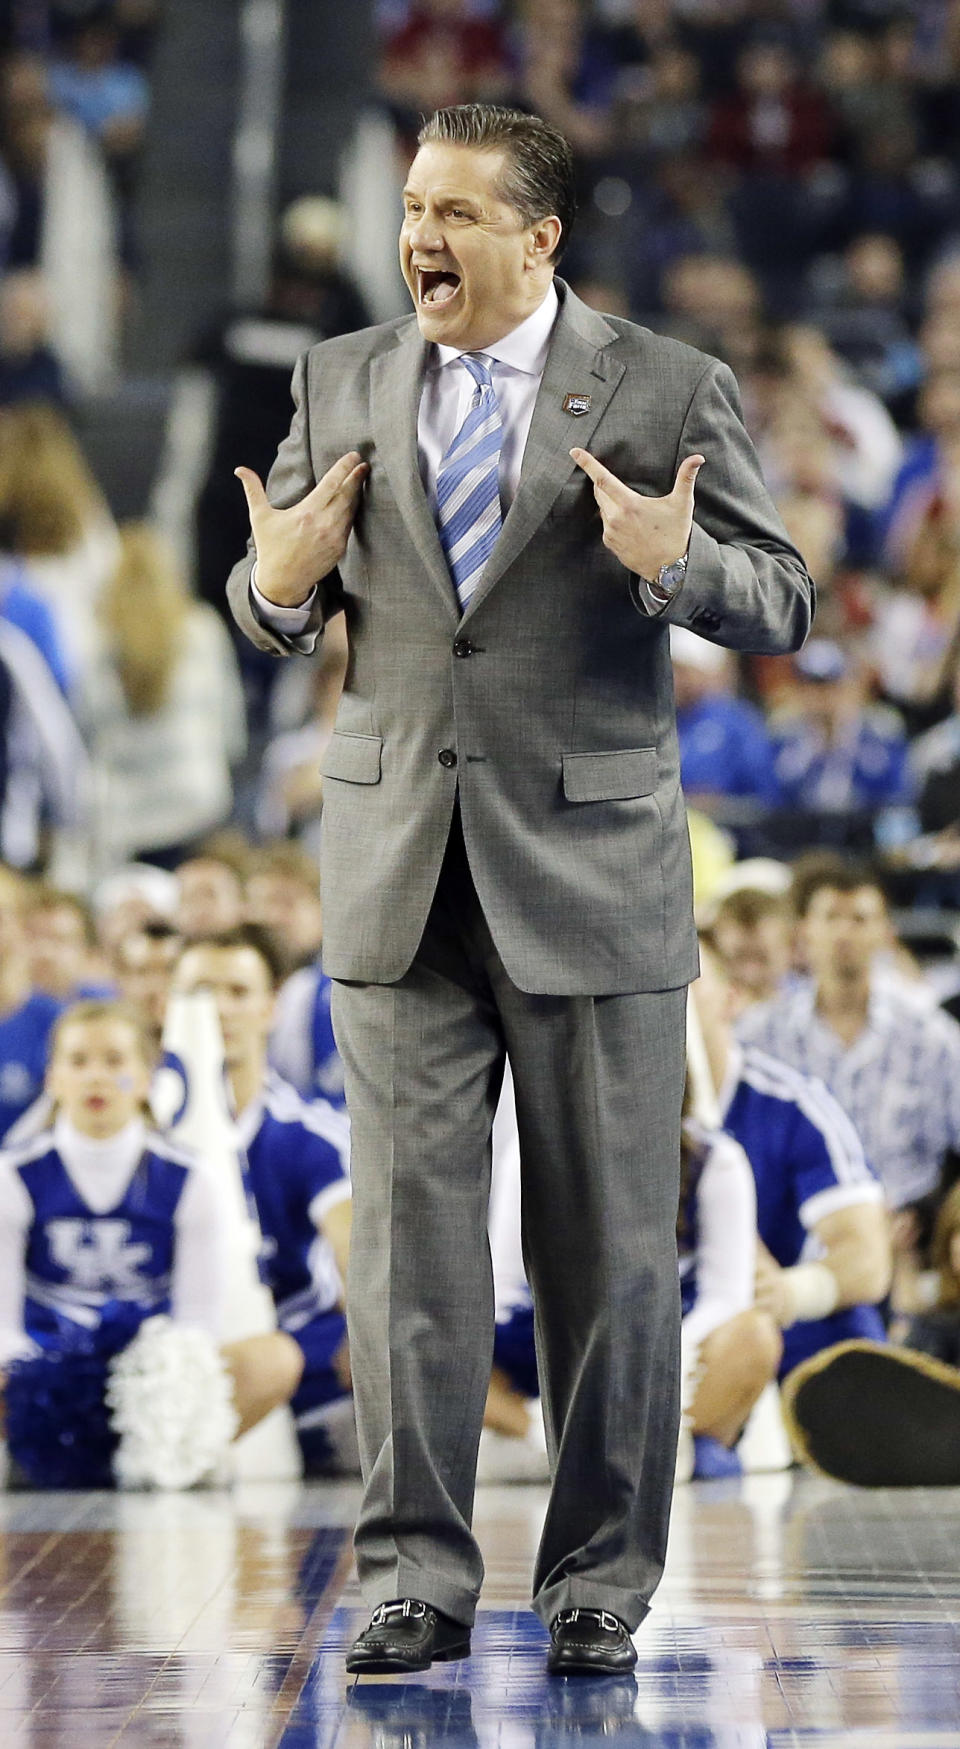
(425, 233)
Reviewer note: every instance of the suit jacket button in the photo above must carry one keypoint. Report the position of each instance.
(447, 757)
(463, 647)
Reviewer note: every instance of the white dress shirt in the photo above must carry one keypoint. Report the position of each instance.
(448, 390)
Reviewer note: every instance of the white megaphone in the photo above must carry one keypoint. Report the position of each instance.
(190, 1103)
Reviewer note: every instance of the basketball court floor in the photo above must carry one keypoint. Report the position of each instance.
(793, 1611)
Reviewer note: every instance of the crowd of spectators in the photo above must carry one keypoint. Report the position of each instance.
(778, 183)
(775, 181)
(74, 98)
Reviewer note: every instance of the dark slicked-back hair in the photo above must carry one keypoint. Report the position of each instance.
(247, 935)
(538, 179)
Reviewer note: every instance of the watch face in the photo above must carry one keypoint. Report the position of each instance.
(671, 576)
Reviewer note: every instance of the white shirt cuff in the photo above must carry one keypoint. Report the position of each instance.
(652, 597)
(289, 620)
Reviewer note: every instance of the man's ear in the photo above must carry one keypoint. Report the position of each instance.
(544, 239)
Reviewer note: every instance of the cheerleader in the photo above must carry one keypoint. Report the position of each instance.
(106, 1228)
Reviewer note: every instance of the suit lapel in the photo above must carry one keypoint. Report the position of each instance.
(578, 364)
(396, 381)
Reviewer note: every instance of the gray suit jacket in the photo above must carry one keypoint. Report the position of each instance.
(549, 704)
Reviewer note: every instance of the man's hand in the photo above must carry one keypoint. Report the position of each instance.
(299, 546)
(644, 533)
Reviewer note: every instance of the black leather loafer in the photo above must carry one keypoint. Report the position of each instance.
(405, 1636)
(589, 1642)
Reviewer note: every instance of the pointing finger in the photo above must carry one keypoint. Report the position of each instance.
(601, 476)
(350, 468)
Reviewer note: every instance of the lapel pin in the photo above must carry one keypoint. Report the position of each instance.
(576, 404)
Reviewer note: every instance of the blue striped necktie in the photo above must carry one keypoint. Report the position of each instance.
(468, 484)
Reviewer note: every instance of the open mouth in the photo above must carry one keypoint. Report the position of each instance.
(437, 287)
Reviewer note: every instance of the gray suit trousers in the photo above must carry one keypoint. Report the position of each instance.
(598, 1087)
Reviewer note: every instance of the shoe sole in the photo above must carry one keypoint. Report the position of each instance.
(403, 1666)
(877, 1416)
(576, 1669)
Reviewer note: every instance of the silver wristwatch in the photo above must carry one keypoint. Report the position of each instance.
(668, 579)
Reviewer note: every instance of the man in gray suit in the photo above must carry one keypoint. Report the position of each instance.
(498, 493)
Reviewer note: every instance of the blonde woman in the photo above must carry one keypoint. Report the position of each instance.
(56, 520)
(161, 709)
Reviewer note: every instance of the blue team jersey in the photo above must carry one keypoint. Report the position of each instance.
(807, 1161)
(725, 749)
(24, 1038)
(806, 1156)
(86, 1269)
(296, 1165)
(302, 1046)
(868, 767)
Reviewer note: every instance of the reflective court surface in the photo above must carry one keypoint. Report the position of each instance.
(793, 1611)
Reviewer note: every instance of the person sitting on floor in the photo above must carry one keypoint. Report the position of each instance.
(824, 1260)
(729, 1348)
(884, 1416)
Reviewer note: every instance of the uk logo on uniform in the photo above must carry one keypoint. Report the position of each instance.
(98, 1256)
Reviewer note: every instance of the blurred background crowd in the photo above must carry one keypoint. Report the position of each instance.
(190, 196)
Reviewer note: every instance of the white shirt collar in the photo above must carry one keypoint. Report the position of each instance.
(100, 1171)
(524, 348)
(124, 1148)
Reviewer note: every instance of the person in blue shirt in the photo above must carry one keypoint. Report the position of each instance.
(833, 752)
(725, 749)
(824, 1258)
(106, 94)
(296, 1169)
(26, 1015)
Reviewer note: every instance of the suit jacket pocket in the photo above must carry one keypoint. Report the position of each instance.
(353, 758)
(610, 777)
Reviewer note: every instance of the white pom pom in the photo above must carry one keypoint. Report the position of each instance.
(172, 1406)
